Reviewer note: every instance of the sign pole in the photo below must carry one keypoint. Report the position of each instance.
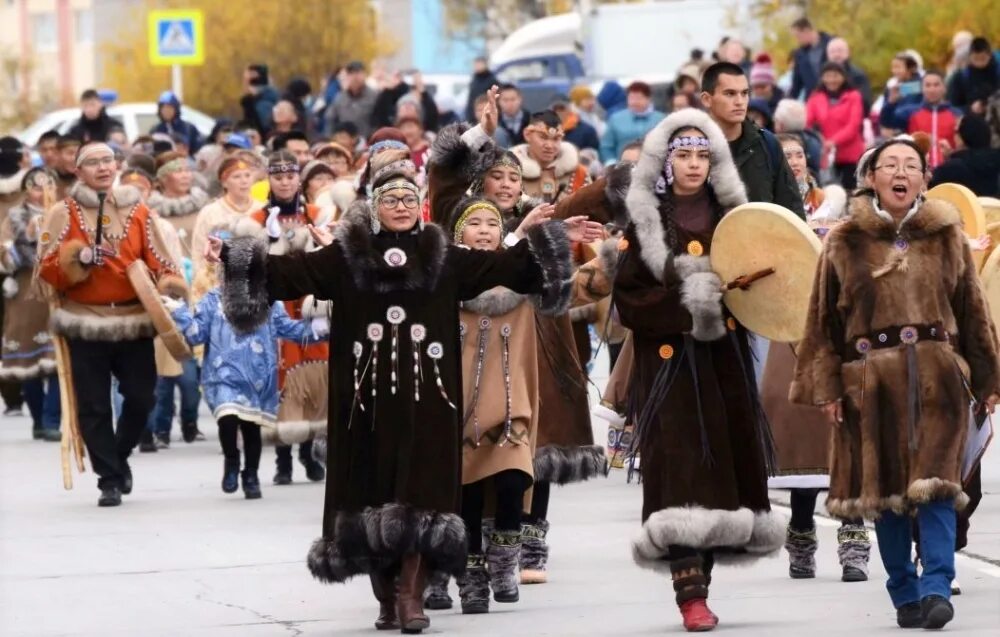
(177, 81)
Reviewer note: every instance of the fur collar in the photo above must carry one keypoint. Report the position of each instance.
(644, 204)
(367, 264)
(121, 196)
(12, 184)
(495, 302)
(931, 217)
(451, 153)
(189, 204)
(566, 162)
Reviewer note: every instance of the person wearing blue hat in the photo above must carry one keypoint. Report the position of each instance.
(168, 109)
(237, 140)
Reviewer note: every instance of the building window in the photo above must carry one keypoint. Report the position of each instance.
(43, 32)
(83, 22)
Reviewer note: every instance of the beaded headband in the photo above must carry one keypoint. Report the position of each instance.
(463, 219)
(240, 165)
(386, 144)
(401, 166)
(667, 176)
(172, 166)
(88, 151)
(395, 184)
(538, 127)
(689, 142)
(282, 167)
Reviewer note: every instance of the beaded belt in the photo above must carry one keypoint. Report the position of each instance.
(894, 336)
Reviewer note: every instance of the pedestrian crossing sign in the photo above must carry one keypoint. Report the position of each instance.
(176, 37)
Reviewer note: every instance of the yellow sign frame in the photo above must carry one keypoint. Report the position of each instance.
(197, 20)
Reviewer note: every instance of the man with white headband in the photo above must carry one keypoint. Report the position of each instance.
(86, 246)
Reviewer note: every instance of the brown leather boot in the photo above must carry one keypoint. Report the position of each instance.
(410, 601)
(384, 587)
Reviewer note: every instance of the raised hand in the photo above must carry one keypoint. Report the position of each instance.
(322, 236)
(213, 249)
(540, 214)
(579, 229)
(489, 118)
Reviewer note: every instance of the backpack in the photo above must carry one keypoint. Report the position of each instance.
(773, 151)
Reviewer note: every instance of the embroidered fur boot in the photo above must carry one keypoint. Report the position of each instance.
(474, 586)
(436, 597)
(691, 589)
(853, 549)
(801, 547)
(534, 552)
(502, 554)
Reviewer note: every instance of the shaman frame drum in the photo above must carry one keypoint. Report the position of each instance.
(149, 296)
(769, 241)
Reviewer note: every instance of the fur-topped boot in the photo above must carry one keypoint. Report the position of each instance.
(534, 552)
(474, 586)
(854, 547)
(502, 554)
(691, 590)
(436, 597)
(801, 547)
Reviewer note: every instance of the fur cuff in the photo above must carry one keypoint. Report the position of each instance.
(379, 537)
(69, 261)
(319, 449)
(701, 295)
(565, 465)
(312, 308)
(244, 283)
(609, 255)
(173, 286)
(734, 536)
(619, 178)
(101, 328)
(549, 246)
(44, 367)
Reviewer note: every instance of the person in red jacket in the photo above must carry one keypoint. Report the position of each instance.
(835, 108)
(936, 117)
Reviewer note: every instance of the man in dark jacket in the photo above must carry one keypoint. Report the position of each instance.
(513, 117)
(94, 125)
(384, 111)
(168, 109)
(259, 98)
(757, 153)
(809, 57)
(970, 88)
(577, 132)
(840, 52)
(973, 163)
(482, 80)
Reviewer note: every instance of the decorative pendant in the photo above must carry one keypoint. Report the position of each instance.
(461, 336)
(435, 352)
(395, 315)
(358, 351)
(901, 244)
(505, 332)
(375, 334)
(484, 329)
(695, 249)
(417, 335)
(395, 257)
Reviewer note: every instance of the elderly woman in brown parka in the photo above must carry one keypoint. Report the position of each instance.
(898, 343)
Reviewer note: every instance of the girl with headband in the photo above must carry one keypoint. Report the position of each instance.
(699, 428)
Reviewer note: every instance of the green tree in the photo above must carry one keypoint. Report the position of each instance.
(308, 38)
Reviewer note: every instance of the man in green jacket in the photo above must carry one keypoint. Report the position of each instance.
(757, 153)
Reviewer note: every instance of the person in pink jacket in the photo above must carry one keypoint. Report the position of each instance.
(835, 109)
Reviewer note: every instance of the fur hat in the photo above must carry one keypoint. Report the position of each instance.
(392, 164)
(762, 71)
(313, 168)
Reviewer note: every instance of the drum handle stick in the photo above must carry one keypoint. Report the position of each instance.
(98, 258)
(744, 282)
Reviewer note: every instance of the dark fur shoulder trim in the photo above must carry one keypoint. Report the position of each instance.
(450, 152)
(369, 269)
(379, 537)
(565, 465)
(550, 247)
(244, 283)
(619, 178)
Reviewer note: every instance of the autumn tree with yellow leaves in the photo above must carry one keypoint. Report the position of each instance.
(877, 30)
(307, 38)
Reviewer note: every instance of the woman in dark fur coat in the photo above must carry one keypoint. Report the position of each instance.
(392, 492)
(466, 160)
(898, 342)
(701, 432)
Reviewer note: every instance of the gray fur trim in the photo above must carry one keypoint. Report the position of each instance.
(27, 251)
(495, 302)
(378, 537)
(644, 204)
(189, 204)
(370, 271)
(246, 226)
(550, 247)
(687, 264)
(101, 328)
(245, 302)
(701, 295)
(43, 367)
(619, 178)
(609, 255)
(736, 537)
(566, 465)
(319, 449)
(122, 196)
(451, 153)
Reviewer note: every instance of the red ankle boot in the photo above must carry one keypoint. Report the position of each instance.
(697, 617)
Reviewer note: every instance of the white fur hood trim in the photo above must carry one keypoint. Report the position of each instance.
(565, 163)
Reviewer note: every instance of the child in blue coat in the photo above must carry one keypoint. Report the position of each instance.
(240, 377)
